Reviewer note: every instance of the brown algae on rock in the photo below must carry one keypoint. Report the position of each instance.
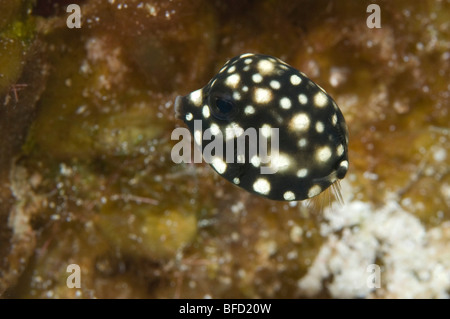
(94, 183)
(146, 231)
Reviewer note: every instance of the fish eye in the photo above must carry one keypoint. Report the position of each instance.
(223, 108)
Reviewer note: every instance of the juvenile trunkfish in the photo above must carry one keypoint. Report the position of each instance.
(261, 91)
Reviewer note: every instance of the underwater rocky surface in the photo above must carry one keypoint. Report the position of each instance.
(86, 175)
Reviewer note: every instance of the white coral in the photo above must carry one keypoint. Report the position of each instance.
(415, 262)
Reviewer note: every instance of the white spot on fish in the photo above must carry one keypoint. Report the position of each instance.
(300, 122)
(189, 116)
(289, 195)
(344, 164)
(320, 99)
(280, 162)
(265, 67)
(266, 130)
(232, 69)
(198, 137)
(262, 96)
(255, 160)
(219, 165)
(302, 172)
(274, 84)
(334, 119)
(303, 99)
(233, 80)
(249, 110)
(323, 154)
(261, 186)
(340, 150)
(257, 78)
(302, 142)
(319, 127)
(314, 190)
(196, 97)
(236, 180)
(285, 103)
(295, 79)
(205, 111)
(214, 129)
(233, 130)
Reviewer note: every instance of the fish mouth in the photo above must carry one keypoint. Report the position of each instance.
(178, 107)
(330, 178)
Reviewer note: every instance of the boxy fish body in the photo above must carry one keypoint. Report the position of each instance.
(262, 92)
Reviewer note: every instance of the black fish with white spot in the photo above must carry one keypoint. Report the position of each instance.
(263, 92)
